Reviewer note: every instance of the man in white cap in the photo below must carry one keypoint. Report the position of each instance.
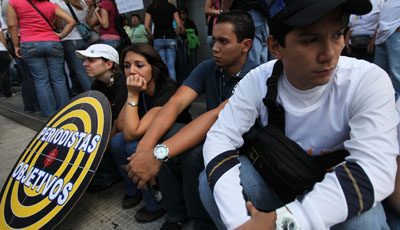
(101, 63)
(327, 102)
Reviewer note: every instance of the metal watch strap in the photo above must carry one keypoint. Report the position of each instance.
(132, 103)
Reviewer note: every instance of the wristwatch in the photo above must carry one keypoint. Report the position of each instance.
(161, 152)
(285, 220)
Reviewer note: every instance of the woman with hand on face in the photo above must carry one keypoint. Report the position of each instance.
(149, 88)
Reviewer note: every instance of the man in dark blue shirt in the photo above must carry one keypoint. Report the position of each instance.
(217, 78)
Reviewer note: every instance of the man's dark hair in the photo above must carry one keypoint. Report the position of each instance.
(280, 34)
(135, 15)
(184, 9)
(242, 22)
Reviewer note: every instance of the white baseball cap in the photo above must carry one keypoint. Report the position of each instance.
(98, 51)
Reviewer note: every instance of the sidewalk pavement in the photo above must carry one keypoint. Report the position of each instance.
(94, 211)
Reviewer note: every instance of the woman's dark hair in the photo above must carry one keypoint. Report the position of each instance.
(159, 70)
(159, 4)
(184, 9)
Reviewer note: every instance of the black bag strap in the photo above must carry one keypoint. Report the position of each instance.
(73, 13)
(276, 113)
(51, 26)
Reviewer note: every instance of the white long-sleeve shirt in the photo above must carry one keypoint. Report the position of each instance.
(355, 111)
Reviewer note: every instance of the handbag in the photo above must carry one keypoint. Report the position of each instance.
(44, 17)
(83, 28)
(281, 162)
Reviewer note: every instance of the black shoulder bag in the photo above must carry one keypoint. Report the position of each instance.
(281, 162)
(44, 17)
(84, 29)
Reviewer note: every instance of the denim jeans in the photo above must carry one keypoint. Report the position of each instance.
(28, 91)
(167, 50)
(387, 56)
(75, 65)
(114, 43)
(120, 150)
(178, 179)
(263, 198)
(259, 50)
(392, 218)
(45, 60)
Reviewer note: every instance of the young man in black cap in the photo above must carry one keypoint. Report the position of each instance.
(330, 103)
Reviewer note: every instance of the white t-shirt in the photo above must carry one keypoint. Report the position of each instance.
(366, 24)
(80, 14)
(355, 110)
(389, 20)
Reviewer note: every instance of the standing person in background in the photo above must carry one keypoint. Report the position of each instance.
(187, 44)
(105, 14)
(137, 33)
(361, 30)
(190, 38)
(41, 49)
(259, 52)
(163, 14)
(212, 9)
(387, 42)
(91, 6)
(28, 90)
(5, 59)
(72, 42)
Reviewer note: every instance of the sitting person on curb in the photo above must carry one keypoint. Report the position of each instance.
(149, 88)
(101, 63)
(329, 103)
(217, 78)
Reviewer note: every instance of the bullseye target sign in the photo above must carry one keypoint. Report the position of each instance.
(57, 165)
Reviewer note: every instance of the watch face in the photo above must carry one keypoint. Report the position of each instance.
(288, 224)
(161, 152)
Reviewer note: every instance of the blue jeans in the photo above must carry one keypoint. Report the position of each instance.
(45, 61)
(167, 50)
(262, 197)
(259, 50)
(387, 56)
(114, 43)
(120, 150)
(28, 91)
(75, 65)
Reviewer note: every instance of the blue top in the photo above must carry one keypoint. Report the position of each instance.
(209, 78)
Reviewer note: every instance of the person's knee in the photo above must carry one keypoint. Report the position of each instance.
(116, 143)
(204, 188)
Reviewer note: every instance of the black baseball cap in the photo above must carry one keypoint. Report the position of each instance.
(307, 12)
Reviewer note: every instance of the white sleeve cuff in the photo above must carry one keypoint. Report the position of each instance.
(296, 209)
